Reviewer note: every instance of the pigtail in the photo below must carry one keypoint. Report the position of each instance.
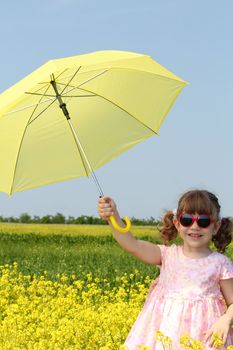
(224, 235)
(167, 229)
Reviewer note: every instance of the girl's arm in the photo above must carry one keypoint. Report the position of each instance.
(144, 251)
(224, 323)
(227, 291)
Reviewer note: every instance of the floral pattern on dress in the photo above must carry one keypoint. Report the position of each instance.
(186, 298)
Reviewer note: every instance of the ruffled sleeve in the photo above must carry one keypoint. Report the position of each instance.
(163, 248)
(226, 269)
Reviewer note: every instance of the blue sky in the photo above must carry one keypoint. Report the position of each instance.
(194, 150)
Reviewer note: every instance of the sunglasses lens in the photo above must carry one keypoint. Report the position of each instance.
(203, 221)
(186, 220)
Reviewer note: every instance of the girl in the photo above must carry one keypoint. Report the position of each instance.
(194, 292)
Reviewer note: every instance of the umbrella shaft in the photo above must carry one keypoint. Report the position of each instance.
(85, 157)
(78, 143)
(61, 103)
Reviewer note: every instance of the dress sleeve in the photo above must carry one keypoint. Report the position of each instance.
(163, 248)
(226, 269)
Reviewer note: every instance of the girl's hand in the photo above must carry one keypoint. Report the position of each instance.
(106, 207)
(220, 328)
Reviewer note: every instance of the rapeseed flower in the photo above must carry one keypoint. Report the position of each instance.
(71, 313)
(39, 314)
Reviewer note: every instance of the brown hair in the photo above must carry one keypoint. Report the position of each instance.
(199, 201)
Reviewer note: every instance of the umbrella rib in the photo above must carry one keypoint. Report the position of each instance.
(64, 95)
(16, 163)
(84, 82)
(62, 73)
(37, 94)
(29, 106)
(60, 83)
(31, 121)
(47, 95)
(39, 102)
(79, 95)
(97, 75)
(118, 106)
(17, 159)
(39, 89)
(47, 82)
(71, 86)
(71, 79)
(74, 88)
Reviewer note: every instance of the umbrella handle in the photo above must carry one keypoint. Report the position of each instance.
(119, 228)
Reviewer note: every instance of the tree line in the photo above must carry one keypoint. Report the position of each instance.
(59, 218)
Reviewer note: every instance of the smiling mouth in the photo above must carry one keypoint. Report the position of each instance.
(194, 235)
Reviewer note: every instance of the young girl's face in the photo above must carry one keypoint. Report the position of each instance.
(195, 235)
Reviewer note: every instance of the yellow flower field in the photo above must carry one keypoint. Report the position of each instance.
(91, 308)
(72, 230)
(38, 314)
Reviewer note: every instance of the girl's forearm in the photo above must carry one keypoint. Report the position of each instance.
(229, 313)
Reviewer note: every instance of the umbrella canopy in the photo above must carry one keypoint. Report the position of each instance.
(115, 100)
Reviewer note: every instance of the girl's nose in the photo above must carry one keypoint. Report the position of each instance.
(195, 226)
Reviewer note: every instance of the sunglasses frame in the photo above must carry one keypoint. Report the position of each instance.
(195, 219)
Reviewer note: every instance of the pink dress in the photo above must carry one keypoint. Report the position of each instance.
(186, 298)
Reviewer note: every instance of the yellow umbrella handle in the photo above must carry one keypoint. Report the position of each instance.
(117, 227)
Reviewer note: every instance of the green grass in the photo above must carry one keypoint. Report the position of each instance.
(65, 249)
(72, 250)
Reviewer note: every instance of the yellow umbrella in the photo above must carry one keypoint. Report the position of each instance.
(74, 114)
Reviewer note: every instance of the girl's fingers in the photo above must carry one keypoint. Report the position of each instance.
(207, 336)
(105, 210)
(106, 207)
(104, 199)
(224, 338)
(105, 203)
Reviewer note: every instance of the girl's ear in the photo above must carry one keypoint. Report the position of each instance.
(176, 223)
